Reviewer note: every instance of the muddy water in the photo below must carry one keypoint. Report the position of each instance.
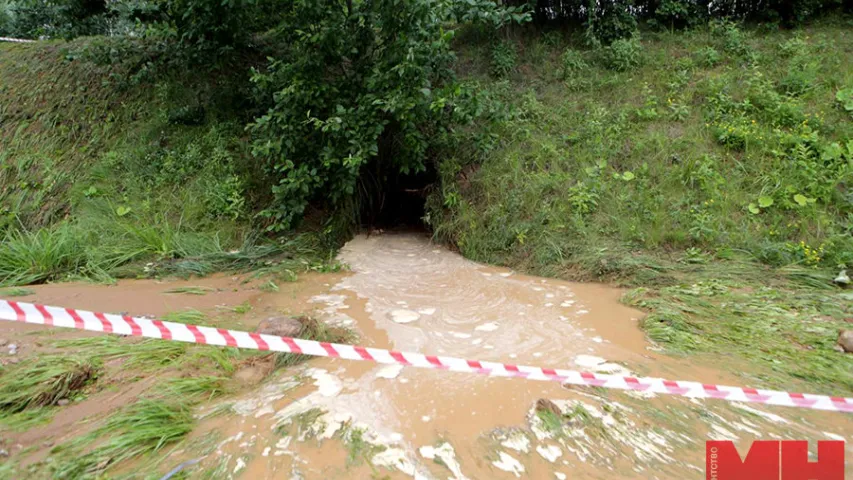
(337, 419)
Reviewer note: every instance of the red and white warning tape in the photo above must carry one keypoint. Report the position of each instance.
(15, 40)
(144, 327)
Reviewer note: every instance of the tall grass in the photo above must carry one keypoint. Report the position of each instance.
(36, 257)
(42, 381)
(144, 427)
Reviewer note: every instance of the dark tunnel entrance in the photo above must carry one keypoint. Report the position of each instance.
(397, 201)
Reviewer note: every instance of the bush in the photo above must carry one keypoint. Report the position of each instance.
(622, 55)
(572, 63)
(504, 59)
(372, 84)
(708, 57)
(609, 21)
(61, 18)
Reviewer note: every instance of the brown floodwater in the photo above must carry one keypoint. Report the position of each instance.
(331, 418)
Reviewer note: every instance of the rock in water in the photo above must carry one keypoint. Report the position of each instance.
(845, 340)
(842, 279)
(280, 326)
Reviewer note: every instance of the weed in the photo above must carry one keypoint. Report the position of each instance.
(307, 420)
(144, 427)
(551, 422)
(189, 315)
(144, 355)
(42, 381)
(504, 59)
(573, 64)
(35, 257)
(707, 57)
(269, 286)
(358, 449)
(16, 292)
(622, 55)
(196, 386)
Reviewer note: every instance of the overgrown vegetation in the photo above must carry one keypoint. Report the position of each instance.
(713, 155)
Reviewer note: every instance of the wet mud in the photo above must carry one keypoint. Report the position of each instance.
(332, 418)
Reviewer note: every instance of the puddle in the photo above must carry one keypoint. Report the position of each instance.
(332, 418)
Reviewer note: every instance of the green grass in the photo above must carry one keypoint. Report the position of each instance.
(790, 333)
(145, 355)
(16, 292)
(99, 179)
(359, 450)
(721, 156)
(204, 386)
(611, 167)
(145, 427)
(42, 381)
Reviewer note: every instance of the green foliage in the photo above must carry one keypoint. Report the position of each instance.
(371, 83)
(609, 21)
(622, 54)
(36, 257)
(573, 64)
(144, 427)
(40, 382)
(707, 57)
(212, 24)
(844, 97)
(504, 59)
(62, 18)
(674, 14)
(551, 196)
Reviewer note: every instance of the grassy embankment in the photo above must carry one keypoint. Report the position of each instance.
(108, 173)
(713, 169)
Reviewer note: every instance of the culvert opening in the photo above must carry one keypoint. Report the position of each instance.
(396, 200)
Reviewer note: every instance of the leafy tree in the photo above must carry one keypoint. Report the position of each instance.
(360, 81)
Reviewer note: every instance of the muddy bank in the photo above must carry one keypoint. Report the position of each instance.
(337, 419)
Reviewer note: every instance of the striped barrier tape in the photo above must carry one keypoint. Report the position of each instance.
(15, 40)
(144, 327)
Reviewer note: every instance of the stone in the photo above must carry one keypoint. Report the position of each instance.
(63, 402)
(3, 342)
(4, 452)
(845, 340)
(280, 326)
(842, 279)
(545, 405)
(250, 376)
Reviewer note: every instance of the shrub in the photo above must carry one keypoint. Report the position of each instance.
(504, 59)
(609, 21)
(370, 83)
(707, 57)
(622, 55)
(572, 63)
